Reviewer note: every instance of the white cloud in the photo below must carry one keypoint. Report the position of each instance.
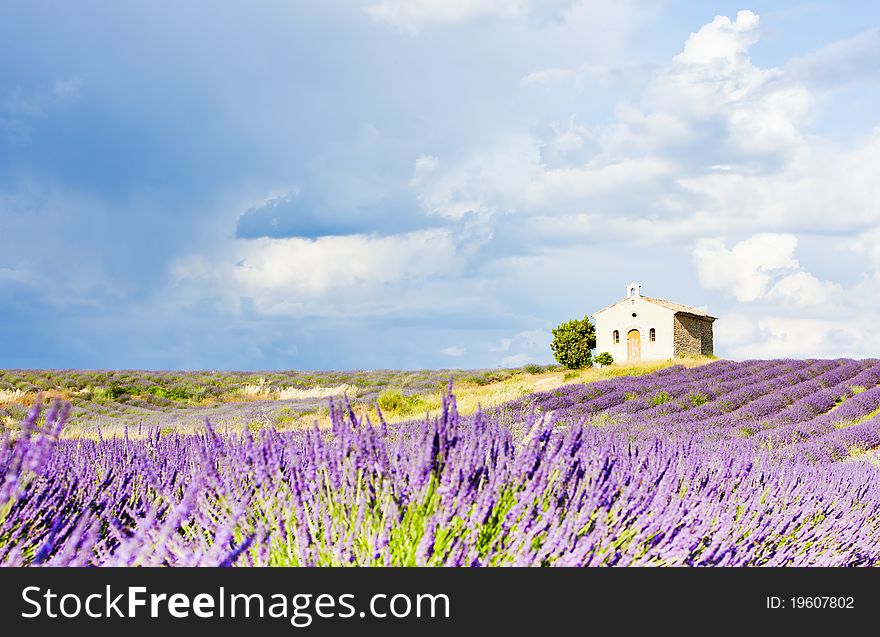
(714, 149)
(782, 310)
(412, 15)
(558, 187)
(746, 270)
(424, 166)
(572, 137)
(299, 276)
(868, 244)
(722, 41)
(494, 180)
(453, 351)
(802, 288)
(762, 267)
(780, 336)
(712, 144)
(713, 87)
(826, 188)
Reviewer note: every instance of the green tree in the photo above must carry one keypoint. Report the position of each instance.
(572, 342)
(605, 358)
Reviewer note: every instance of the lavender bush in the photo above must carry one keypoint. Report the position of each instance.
(752, 463)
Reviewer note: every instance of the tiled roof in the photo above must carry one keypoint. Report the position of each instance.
(669, 305)
(678, 307)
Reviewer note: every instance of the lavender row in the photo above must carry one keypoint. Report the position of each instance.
(684, 488)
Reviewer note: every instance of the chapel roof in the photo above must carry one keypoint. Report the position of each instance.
(678, 308)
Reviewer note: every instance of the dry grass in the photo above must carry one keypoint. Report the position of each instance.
(261, 391)
(11, 396)
(17, 396)
(296, 393)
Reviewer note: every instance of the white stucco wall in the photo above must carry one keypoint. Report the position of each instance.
(620, 317)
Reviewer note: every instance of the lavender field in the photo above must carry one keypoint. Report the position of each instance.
(732, 463)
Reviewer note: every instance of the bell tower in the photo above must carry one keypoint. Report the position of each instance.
(633, 290)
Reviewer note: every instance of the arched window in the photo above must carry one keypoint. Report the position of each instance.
(616, 337)
(653, 334)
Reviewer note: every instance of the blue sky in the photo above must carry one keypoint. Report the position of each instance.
(430, 183)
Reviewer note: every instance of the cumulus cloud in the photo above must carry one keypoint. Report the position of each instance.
(762, 267)
(334, 275)
(453, 350)
(783, 335)
(711, 140)
(802, 288)
(722, 42)
(746, 269)
(712, 89)
(867, 245)
(781, 309)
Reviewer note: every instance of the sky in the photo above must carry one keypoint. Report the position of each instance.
(359, 184)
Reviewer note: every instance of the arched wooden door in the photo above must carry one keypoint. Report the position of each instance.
(633, 346)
